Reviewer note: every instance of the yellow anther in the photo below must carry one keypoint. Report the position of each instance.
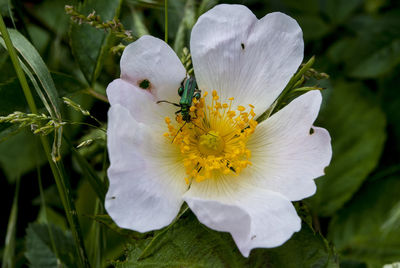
(253, 123)
(215, 95)
(179, 119)
(231, 114)
(186, 139)
(241, 108)
(214, 142)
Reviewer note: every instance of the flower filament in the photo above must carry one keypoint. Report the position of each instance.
(214, 142)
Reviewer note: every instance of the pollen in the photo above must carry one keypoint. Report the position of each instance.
(213, 143)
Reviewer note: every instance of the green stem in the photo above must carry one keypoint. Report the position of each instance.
(9, 245)
(97, 95)
(56, 169)
(166, 20)
(296, 78)
(44, 207)
(19, 71)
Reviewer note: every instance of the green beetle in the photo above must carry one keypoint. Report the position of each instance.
(187, 91)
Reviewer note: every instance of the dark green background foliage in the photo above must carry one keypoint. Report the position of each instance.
(354, 218)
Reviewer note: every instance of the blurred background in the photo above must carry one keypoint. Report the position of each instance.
(352, 221)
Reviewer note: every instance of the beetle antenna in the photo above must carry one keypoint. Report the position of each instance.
(207, 133)
(180, 129)
(173, 103)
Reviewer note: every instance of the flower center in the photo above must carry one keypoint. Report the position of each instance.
(211, 143)
(214, 142)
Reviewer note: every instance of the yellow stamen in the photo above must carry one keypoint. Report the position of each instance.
(211, 143)
(214, 142)
(241, 108)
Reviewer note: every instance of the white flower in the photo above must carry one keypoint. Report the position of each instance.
(236, 176)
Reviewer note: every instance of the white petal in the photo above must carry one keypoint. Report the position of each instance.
(245, 58)
(285, 156)
(255, 217)
(146, 177)
(151, 59)
(141, 104)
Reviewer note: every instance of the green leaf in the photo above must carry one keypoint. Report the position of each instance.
(40, 252)
(305, 6)
(376, 49)
(6, 66)
(357, 128)
(110, 224)
(90, 174)
(18, 147)
(67, 84)
(339, 51)
(39, 68)
(339, 10)
(52, 198)
(389, 89)
(313, 27)
(392, 223)
(379, 62)
(12, 98)
(185, 26)
(357, 230)
(305, 249)
(19, 154)
(88, 44)
(3, 7)
(49, 215)
(373, 6)
(9, 245)
(139, 23)
(50, 96)
(190, 244)
(52, 14)
(205, 5)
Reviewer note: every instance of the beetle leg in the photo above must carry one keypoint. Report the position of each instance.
(178, 132)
